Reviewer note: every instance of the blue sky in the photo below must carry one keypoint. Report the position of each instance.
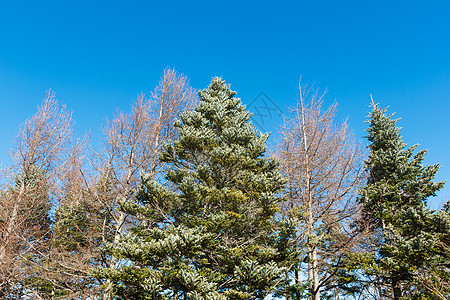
(99, 55)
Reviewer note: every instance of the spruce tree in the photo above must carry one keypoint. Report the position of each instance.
(209, 231)
(409, 235)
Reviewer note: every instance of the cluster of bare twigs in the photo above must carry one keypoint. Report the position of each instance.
(322, 164)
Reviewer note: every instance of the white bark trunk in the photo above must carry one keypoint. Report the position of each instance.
(313, 272)
(107, 293)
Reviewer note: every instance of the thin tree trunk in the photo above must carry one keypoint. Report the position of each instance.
(396, 287)
(297, 282)
(112, 262)
(313, 275)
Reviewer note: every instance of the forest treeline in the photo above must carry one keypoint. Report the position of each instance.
(181, 200)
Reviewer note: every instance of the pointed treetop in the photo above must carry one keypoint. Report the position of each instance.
(383, 132)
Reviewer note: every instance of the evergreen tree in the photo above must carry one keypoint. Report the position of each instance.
(409, 235)
(209, 233)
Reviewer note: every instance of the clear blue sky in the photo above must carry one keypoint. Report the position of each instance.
(99, 55)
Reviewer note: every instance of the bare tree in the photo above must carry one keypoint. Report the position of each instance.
(88, 200)
(74, 247)
(38, 163)
(132, 144)
(89, 213)
(321, 163)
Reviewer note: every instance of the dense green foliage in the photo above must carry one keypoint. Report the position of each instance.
(407, 234)
(209, 233)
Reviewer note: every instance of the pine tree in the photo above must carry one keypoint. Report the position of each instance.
(408, 234)
(209, 232)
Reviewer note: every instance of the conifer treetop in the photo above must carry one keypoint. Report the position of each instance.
(210, 233)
